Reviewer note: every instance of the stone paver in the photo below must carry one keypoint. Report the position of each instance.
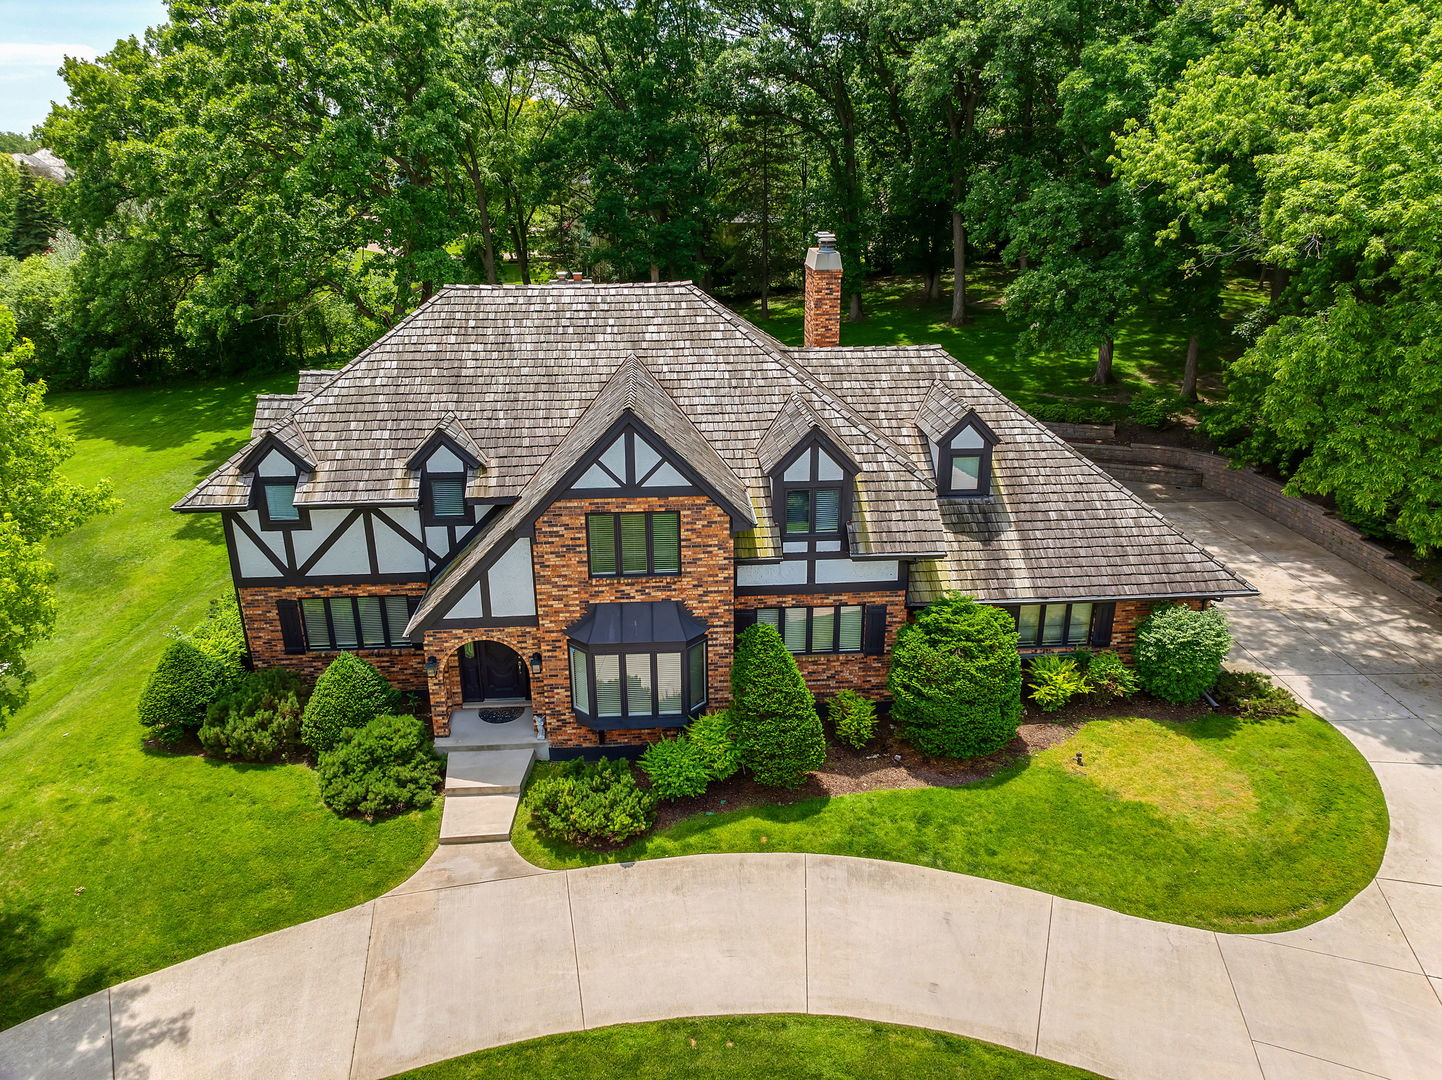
(481, 948)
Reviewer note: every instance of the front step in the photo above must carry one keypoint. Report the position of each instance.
(467, 821)
(487, 772)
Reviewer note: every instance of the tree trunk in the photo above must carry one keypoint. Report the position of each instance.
(765, 227)
(958, 269)
(488, 235)
(853, 311)
(1021, 262)
(1103, 374)
(1279, 283)
(933, 284)
(1189, 372)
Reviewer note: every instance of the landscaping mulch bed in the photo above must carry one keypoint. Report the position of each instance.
(891, 762)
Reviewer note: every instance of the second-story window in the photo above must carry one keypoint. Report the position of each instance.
(447, 495)
(634, 544)
(813, 511)
(277, 502)
(813, 495)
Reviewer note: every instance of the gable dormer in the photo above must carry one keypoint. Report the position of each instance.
(960, 444)
(445, 461)
(812, 479)
(277, 466)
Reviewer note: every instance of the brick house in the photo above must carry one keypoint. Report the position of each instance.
(569, 497)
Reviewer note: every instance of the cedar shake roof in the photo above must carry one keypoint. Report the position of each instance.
(534, 375)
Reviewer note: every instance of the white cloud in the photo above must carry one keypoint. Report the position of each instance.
(30, 54)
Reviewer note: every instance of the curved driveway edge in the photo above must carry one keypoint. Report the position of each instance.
(480, 948)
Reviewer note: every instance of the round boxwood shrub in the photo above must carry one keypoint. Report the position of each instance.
(593, 803)
(852, 717)
(349, 694)
(1179, 651)
(714, 737)
(258, 720)
(777, 724)
(677, 769)
(387, 766)
(956, 678)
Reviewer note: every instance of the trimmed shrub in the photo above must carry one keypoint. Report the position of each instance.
(1179, 651)
(1108, 678)
(852, 717)
(1253, 695)
(388, 766)
(592, 803)
(677, 769)
(195, 669)
(178, 691)
(777, 724)
(714, 737)
(258, 720)
(1055, 680)
(1156, 408)
(349, 694)
(956, 678)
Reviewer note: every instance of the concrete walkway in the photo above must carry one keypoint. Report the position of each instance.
(481, 948)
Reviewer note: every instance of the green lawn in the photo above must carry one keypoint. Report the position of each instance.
(1227, 825)
(117, 861)
(752, 1048)
(1150, 347)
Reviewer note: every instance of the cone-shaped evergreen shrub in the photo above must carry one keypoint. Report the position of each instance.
(386, 766)
(778, 727)
(178, 692)
(349, 694)
(1179, 651)
(956, 678)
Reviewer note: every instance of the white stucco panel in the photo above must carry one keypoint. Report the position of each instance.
(782, 573)
(840, 571)
(348, 555)
(512, 589)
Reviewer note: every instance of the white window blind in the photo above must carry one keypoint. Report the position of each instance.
(373, 630)
(668, 683)
(851, 619)
(448, 496)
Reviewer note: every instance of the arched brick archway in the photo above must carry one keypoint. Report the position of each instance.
(444, 686)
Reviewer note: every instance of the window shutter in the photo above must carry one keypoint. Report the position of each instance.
(1102, 616)
(287, 612)
(875, 629)
(745, 617)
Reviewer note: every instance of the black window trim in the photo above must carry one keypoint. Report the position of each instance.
(428, 504)
(651, 571)
(1098, 631)
(258, 500)
(591, 718)
(391, 637)
(946, 454)
(873, 626)
(812, 446)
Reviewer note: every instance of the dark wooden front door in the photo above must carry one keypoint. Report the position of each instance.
(490, 670)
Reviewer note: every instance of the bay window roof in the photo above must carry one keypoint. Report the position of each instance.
(658, 622)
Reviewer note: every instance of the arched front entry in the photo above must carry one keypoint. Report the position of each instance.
(492, 671)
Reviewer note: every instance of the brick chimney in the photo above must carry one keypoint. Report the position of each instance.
(823, 293)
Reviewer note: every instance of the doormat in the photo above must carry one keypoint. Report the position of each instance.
(498, 716)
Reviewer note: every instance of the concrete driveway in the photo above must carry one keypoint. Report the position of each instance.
(481, 948)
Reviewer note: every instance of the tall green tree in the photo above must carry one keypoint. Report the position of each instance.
(1313, 135)
(33, 223)
(37, 503)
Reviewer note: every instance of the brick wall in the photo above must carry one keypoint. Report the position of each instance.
(405, 668)
(564, 589)
(825, 675)
(822, 322)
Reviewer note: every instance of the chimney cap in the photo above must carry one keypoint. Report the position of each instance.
(826, 241)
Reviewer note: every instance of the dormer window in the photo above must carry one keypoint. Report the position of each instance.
(814, 493)
(964, 459)
(446, 496)
(278, 501)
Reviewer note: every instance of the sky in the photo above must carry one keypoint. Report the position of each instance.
(36, 35)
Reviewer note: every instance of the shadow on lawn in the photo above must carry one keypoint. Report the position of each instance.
(31, 944)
